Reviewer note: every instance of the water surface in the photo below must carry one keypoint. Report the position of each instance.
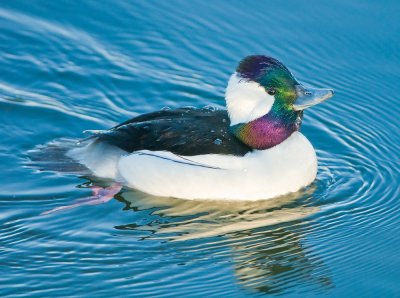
(67, 67)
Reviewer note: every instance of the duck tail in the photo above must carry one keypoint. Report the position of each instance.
(53, 157)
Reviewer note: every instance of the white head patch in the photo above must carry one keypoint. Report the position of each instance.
(246, 101)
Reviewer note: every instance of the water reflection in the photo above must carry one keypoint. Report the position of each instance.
(264, 240)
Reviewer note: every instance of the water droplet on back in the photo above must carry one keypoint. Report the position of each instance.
(217, 141)
(210, 108)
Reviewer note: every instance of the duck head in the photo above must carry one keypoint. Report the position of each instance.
(265, 102)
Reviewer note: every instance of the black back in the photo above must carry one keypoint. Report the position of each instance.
(184, 131)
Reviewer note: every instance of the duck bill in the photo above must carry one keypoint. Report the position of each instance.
(308, 97)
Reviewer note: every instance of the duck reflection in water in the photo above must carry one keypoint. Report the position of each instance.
(265, 239)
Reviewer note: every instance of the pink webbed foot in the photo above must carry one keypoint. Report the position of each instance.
(100, 196)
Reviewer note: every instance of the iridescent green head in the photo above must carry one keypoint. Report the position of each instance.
(265, 101)
(272, 75)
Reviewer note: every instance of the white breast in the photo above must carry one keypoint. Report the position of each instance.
(257, 175)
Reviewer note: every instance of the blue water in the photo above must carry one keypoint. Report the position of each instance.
(69, 66)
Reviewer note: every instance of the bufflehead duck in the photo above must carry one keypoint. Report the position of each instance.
(251, 151)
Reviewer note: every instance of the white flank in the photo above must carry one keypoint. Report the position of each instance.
(99, 157)
(246, 101)
(258, 175)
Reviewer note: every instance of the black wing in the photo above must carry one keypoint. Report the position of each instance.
(184, 131)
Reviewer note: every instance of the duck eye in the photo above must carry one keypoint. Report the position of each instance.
(271, 91)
